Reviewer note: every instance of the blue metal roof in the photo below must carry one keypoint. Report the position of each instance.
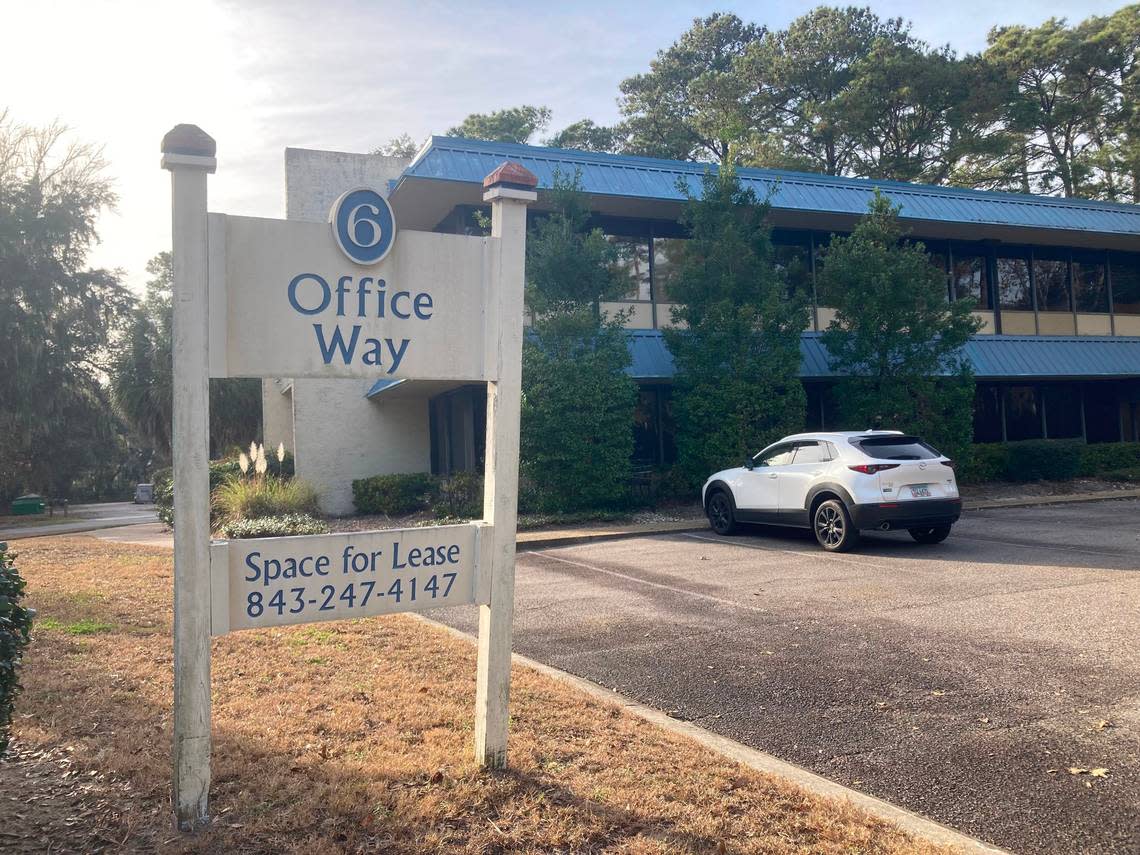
(993, 357)
(469, 161)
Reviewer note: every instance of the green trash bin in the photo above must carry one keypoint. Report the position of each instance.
(30, 504)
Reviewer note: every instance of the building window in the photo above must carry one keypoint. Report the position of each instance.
(1125, 283)
(1090, 284)
(632, 266)
(668, 253)
(1022, 413)
(969, 279)
(1013, 283)
(938, 258)
(1051, 278)
(792, 256)
(1062, 410)
(987, 414)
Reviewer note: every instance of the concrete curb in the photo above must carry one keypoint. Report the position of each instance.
(1036, 501)
(543, 539)
(910, 822)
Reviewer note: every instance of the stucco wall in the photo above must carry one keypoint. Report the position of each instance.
(277, 413)
(340, 436)
(337, 434)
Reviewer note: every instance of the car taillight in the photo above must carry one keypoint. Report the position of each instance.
(872, 468)
(949, 463)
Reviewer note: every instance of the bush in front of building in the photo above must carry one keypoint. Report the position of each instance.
(15, 633)
(736, 338)
(1044, 460)
(394, 495)
(460, 496)
(577, 415)
(1130, 475)
(576, 436)
(987, 462)
(1104, 457)
(280, 525)
(237, 499)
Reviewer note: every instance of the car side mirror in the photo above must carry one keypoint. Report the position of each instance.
(749, 463)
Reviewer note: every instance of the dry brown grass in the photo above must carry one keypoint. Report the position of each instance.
(358, 737)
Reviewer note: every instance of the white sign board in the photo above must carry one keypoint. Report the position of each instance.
(285, 301)
(277, 581)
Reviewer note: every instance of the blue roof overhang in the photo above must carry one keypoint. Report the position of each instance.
(992, 357)
(449, 171)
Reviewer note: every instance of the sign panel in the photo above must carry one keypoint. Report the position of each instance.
(278, 581)
(287, 299)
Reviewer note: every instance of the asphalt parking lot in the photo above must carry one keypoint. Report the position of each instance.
(962, 681)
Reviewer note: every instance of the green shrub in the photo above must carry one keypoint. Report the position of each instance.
(163, 481)
(15, 633)
(250, 498)
(273, 526)
(1044, 459)
(1109, 456)
(1130, 475)
(460, 496)
(987, 462)
(393, 495)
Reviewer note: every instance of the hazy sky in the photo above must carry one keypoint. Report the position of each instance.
(260, 75)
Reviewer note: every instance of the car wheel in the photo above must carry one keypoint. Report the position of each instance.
(833, 527)
(932, 534)
(721, 517)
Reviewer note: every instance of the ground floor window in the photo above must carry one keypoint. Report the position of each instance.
(653, 430)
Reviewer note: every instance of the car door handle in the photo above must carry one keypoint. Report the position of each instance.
(773, 475)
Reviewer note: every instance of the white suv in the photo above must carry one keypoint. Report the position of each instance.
(837, 484)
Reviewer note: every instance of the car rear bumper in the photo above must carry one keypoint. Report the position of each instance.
(915, 514)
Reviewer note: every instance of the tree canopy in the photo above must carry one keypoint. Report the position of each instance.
(514, 124)
(895, 337)
(736, 339)
(57, 314)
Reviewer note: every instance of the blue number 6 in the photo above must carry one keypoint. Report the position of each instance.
(363, 225)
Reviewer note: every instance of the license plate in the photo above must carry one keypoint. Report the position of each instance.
(921, 491)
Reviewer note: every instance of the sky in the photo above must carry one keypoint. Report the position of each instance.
(260, 75)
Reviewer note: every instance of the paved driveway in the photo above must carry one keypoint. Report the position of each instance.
(962, 681)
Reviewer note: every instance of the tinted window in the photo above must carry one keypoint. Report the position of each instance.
(1125, 283)
(1090, 285)
(895, 448)
(794, 261)
(632, 266)
(811, 452)
(1051, 278)
(781, 455)
(1013, 283)
(668, 253)
(968, 278)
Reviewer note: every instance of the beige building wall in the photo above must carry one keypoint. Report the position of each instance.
(1055, 323)
(338, 435)
(277, 413)
(1128, 324)
(1098, 324)
(341, 436)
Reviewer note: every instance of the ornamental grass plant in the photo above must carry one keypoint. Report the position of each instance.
(254, 494)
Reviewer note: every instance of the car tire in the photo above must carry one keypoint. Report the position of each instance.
(833, 528)
(720, 513)
(930, 534)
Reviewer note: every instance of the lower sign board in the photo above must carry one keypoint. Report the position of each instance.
(276, 581)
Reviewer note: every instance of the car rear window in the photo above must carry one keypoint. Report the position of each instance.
(895, 448)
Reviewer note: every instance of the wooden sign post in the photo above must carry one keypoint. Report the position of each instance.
(342, 300)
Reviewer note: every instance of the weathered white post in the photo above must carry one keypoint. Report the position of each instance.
(509, 189)
(188, 152)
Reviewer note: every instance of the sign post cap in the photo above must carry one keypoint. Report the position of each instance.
(189, 140)
(511, 175)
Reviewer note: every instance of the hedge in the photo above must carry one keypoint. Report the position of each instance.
(15, 633)
(1048, 459)
(394, 495)
(274, 526)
